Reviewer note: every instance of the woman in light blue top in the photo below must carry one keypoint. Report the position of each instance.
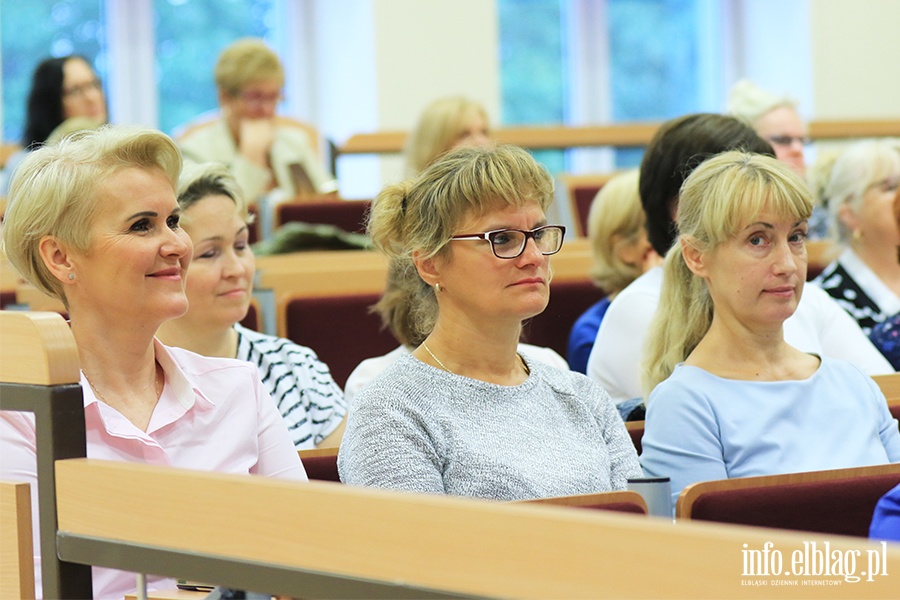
(730, 398)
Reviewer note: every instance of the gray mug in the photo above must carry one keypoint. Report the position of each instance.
(656, 492)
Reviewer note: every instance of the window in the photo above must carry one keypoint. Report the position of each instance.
(607, 61)
(54, 28)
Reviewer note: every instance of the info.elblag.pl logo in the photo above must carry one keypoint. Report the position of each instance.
(816, 563)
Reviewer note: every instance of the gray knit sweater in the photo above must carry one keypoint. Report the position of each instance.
(421, 429)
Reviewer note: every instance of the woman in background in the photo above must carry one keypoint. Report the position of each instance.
(219, 286)
(264, 151)
(730, 397)
(64, 89)
(865, 278)
(621, 254)
(94, 222)
(775, 119)
(465, 413)
(445, 124)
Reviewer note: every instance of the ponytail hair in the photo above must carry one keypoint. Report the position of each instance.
(717, 200)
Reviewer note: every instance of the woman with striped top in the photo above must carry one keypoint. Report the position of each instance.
(219, 284)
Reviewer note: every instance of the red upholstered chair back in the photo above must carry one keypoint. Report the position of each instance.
(349, 215)
(582, 198)
(581, 190)
(340, 329)
(837, 502)
(894, 407)
(568, 299)
(252, 319)
(320, 464)
(253, 228)
(636, 431)
(624, 501)
(7, 297)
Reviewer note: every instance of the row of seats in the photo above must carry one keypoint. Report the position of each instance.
(839, 501)
(41, 364)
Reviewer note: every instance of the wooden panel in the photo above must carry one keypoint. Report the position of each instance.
(37, 348)
(618, 135)
(624, 501)
(890, 386)
(16, 544)
(819, 130)
(443, 543)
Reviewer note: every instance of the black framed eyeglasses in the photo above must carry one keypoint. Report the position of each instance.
(510, 243)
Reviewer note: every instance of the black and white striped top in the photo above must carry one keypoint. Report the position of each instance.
(309, 400)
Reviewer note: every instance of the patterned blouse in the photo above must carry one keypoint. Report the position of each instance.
(301, 385)
(858, 290)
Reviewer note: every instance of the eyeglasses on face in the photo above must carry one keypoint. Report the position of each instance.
(261, 99)
(82, 89)
(510, 243)
(788, 140)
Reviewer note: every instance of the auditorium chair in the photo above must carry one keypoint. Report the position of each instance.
(582, 189)
(320, 463)
(623, 501)
(340, 329)
(636, 431)
(349, 215)
(568, 300)
(838, 501)
(16, 543)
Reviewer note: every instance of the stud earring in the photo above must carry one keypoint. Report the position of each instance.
(437, 288)
(71, 276)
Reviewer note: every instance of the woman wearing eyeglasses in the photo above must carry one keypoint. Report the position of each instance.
(465, 413)
(66, 96)
(263, 151)
(865, 278)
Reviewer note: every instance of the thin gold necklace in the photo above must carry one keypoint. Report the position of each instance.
(436, 359)
(444, 367)
(158, 390)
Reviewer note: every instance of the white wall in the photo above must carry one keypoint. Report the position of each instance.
(855, 49)
(379, 62)
(386, 60)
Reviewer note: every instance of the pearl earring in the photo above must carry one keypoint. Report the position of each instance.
(437, 288)
(71, 276)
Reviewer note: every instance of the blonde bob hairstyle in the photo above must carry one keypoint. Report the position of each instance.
(615, 221)
(717, 200)
(201, 180)
(438, 128)
(54, 192)
(862, 165)
(245, 61)
(421, 215)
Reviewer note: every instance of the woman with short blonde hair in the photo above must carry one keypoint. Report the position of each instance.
(94, 221)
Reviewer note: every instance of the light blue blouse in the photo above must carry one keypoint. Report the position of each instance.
(700, 427)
